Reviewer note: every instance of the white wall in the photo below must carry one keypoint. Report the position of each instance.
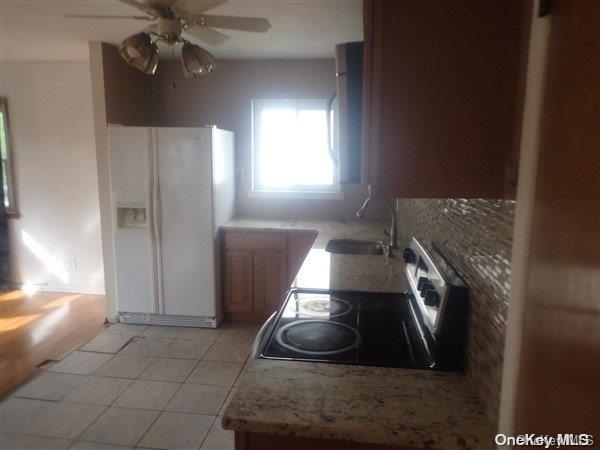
(56, 243)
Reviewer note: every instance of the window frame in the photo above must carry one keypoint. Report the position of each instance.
(332, 191)
(13, 210)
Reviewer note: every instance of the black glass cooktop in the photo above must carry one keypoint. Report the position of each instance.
(348, 328)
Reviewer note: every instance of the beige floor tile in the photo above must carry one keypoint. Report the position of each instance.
(98, 390)
(228, 351)
(186, 349)
(107, 342)
(26, 442)
(227, 400)
(145, 347)
(83, 363)
(178, 431)
(169, 369)
(120, 426)
(65, 420)
(199, 399)
(44, 418)
(81, 445)
(200, 334)
(127, 328)
(124, 366)
(219, 438)
(143, 394)
(234, 332)
(162, 332)
(219, 373)
(50, 386)
(16, 414)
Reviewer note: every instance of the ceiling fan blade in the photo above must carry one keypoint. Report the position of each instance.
(158, 3)
(151, 29)
(195, 7)
(256, 24)
(144, 7)
(86, 16)
(206, 35)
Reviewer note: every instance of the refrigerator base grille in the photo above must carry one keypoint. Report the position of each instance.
(168, 320)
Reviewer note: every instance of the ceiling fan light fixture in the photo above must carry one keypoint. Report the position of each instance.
(196, 61)
(140, 52)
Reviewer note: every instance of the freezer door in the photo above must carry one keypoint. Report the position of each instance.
(185, 225)
(129, 147)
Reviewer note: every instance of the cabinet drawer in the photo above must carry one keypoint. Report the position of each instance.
(241, 240)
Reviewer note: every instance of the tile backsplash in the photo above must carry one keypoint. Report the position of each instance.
(476, 236)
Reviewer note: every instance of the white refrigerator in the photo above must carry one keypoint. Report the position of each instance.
(171, 189)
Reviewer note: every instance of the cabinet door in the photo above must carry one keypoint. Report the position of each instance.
(270, 280)
(299, 244)
(238, 281)
(443, 97)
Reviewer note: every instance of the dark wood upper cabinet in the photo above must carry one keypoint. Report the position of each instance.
(443, 96)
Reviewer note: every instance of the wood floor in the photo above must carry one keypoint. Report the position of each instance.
(43, 326)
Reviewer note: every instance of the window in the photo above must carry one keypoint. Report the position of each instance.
(5, 151)
(290, 152)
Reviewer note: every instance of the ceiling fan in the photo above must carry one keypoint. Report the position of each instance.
(178, 21)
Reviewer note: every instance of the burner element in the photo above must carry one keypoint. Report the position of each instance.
(323, 306)
(317, 337)
(379, 306)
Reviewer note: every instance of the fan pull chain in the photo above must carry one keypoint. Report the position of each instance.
(173, 84)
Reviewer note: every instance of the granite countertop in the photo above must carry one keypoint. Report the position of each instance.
(323, 270)
(378, 405)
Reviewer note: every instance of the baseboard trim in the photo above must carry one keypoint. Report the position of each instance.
(55, 288)
(168, 320)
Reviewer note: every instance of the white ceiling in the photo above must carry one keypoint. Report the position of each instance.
(36, 29)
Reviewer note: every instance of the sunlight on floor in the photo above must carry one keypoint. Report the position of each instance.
(11, 295)
(62, 301)
(52, 264)
(48, 324)
(17, 322)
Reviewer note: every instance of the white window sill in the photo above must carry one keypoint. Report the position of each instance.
(297, 194)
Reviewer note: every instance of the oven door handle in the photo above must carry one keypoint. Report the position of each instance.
(257, 344)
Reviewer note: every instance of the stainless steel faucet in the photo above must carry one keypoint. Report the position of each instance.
(393, 233)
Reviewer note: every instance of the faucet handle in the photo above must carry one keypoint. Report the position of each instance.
(386, 232)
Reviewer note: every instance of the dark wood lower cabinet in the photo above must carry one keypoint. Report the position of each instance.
(270, 280)
(264, 441)
(258, 268)
(299, 244)
(238, 280)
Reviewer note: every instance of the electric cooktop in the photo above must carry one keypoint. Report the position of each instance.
(347, 327)
(415, 329)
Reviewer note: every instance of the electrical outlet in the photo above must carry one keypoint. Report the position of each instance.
(72, 263)
(239, 173)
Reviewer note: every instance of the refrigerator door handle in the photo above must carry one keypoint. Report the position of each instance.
(150, 219)
(155, 222)
(158, 212)
(158, 223)
(150, 194)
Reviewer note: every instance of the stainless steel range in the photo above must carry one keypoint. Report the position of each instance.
(424, 327)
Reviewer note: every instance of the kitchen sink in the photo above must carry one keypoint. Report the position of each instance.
(354, 247)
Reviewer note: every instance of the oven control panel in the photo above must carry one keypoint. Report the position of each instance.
(431, 281)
